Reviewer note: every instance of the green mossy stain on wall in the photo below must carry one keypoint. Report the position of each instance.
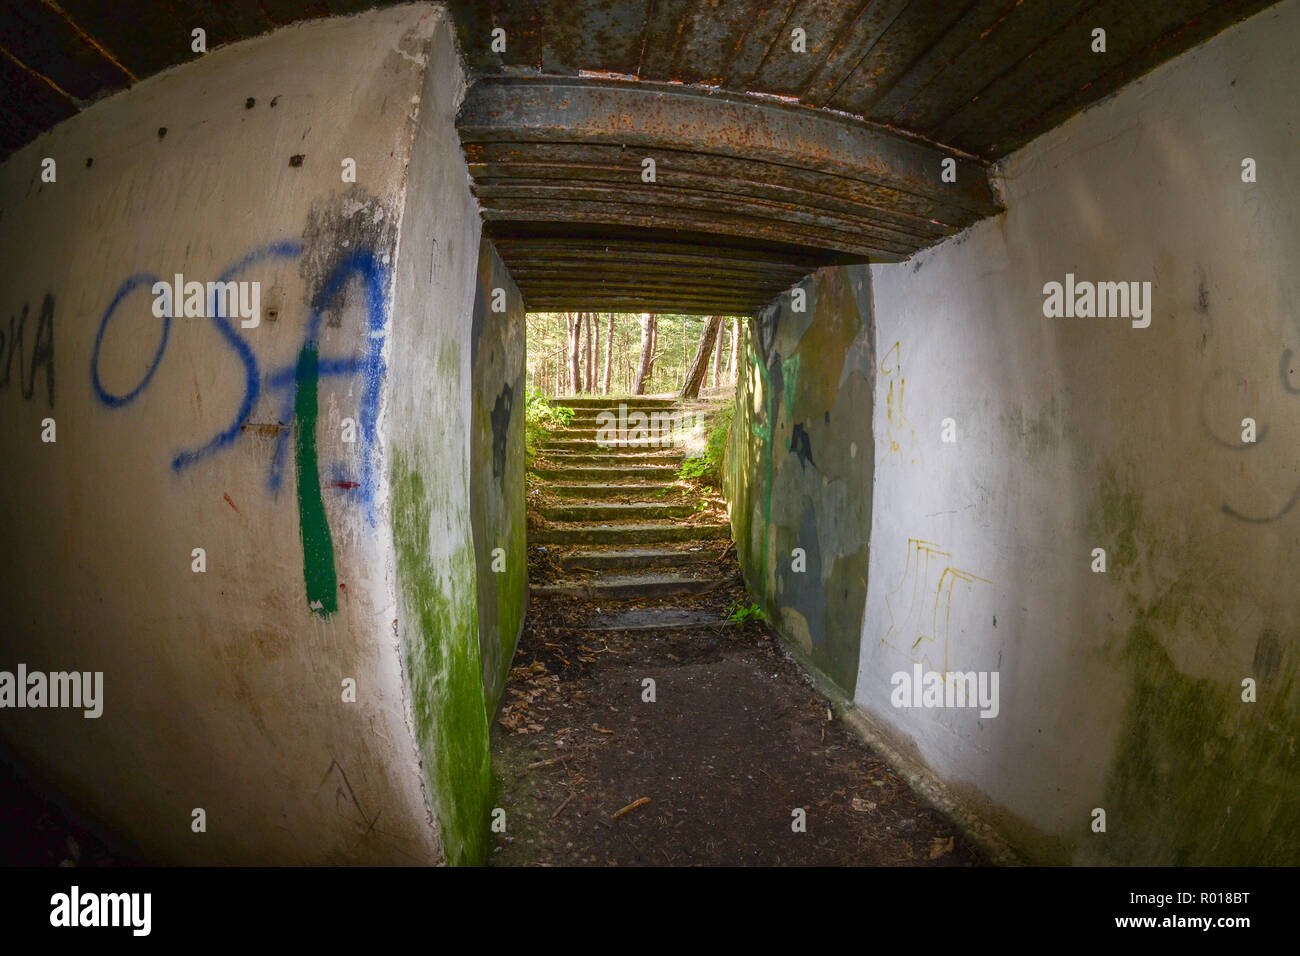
(510, 615)
(1115, 517)
(764, 433)
(440, 638)
(1199, 776)
(790, 382)
(1038, 434)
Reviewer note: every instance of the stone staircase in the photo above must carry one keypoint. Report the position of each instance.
(618, 526)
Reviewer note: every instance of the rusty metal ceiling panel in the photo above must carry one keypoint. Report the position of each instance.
(587, 31)
(1034, 96)
(526, 30)
(753, 48)
(50, 47)
(666, 21)
(823, 24)
(711, 35)
(658, 270)
(647, 116)
(33, 106)
(856, 42)
(954, 68)
(832, 149)
(570, 153)
(925, 217)
(981, 75)
(770, 160)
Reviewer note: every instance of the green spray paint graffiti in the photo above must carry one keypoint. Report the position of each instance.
(317, 545)
(789, 379)
(764, 434)
(288, 389)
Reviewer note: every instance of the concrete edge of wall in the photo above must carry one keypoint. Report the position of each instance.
(918, 776)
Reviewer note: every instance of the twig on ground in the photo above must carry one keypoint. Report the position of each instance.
(562, 806)
(631, 806)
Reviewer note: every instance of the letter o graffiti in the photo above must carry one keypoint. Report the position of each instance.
(125, 289)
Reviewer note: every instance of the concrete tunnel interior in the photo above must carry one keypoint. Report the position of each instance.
(281, 504)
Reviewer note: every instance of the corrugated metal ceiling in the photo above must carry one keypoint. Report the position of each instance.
(769, 160)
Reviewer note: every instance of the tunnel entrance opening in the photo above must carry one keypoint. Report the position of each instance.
(650, 715)
(627, 425)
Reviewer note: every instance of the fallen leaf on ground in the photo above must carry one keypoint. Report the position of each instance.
(939, 846)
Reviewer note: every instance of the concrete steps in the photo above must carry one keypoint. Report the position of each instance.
(617, 502)
(630, 535)
(591, 445)
(593, 428)
(629, 586)
(657, 619)
(615, 457)
(629, 475)
(616, 511)
(634, 558)
(646, 491)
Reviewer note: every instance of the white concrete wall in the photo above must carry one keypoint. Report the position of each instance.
(1118, 690)
(223, 689)
(429, 427)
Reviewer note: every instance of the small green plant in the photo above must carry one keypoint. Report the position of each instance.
(706, 468)
(694, 468)
(540, 417)
(742, 613)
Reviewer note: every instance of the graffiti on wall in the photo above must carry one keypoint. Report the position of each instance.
(921, 606)
(1220, 388)
(32, 363)
(501, 429)
(292, 388)
(897, 428)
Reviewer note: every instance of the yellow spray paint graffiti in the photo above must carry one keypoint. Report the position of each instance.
(897, 427)
(920, 607)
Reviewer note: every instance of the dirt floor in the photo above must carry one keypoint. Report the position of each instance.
(711, 771)
(37, 830)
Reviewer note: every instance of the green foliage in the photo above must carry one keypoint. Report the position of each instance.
(676, 339)
(693, 468)
(742, 613)
(706, 468)
(540, 417)
(540, 409)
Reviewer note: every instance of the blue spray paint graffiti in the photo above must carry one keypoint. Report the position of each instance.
(360, 264)
(252, 383)
(293, 387)
(129, 285)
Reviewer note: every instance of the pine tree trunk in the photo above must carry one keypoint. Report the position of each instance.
(717, 358)
(575, 371)
(593, 349)
(609, 352)
(735, 350)
(695, 377)
(685, 356)
(647, 322)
